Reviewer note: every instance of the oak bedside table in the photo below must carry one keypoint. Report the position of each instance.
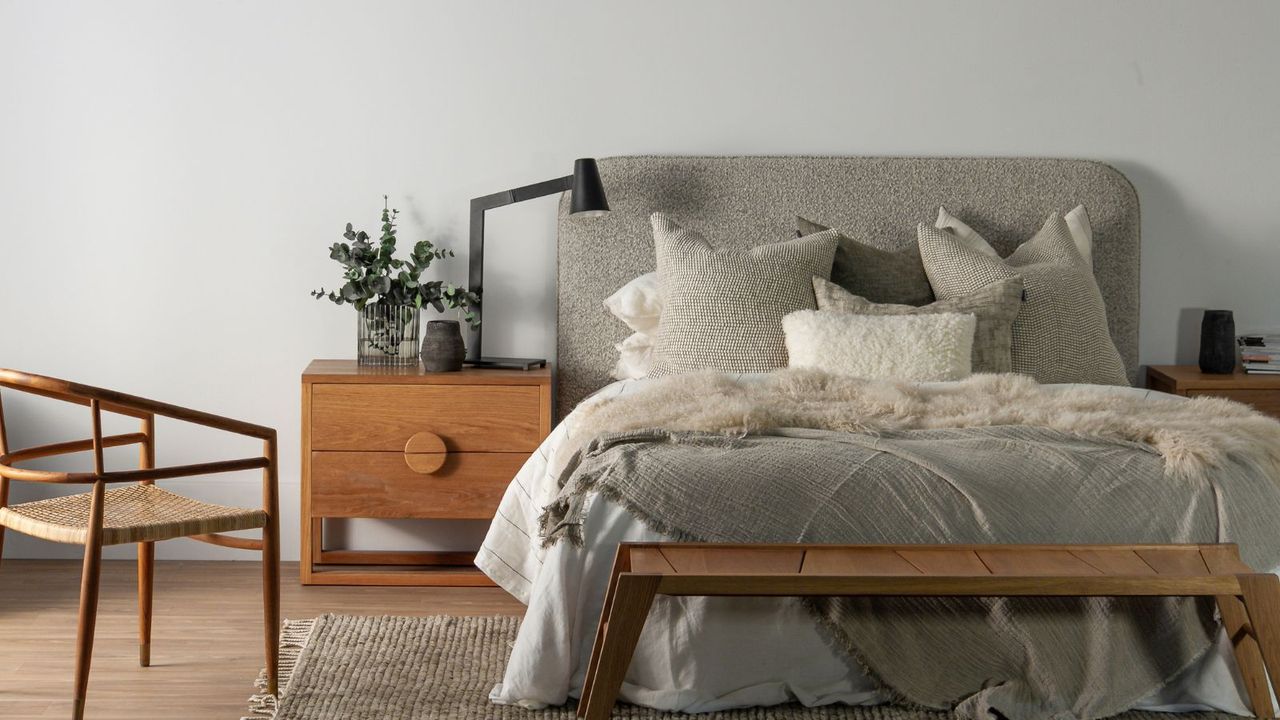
(387, 442)
(1260, 391)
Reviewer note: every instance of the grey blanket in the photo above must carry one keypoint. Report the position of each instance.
(1026, 658)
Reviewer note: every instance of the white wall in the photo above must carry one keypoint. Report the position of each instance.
(172, 172)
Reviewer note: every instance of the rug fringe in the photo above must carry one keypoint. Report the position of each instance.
(293, 638)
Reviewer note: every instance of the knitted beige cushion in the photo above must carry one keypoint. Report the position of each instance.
(878, 275)
(1060, 335)
(994, 307)
(723, 309)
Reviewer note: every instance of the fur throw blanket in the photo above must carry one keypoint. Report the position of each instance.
(1192, 436)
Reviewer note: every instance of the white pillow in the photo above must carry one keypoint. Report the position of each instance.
(882, 347)
(638, 303)
(635, 356)
(1077, 223)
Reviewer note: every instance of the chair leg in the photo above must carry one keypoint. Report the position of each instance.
(146, 577)
(89, 582)
(4, 494)
(271, 601)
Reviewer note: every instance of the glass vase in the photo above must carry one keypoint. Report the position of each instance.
(387, 334)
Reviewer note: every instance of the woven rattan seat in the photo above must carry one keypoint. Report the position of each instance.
(134, 513)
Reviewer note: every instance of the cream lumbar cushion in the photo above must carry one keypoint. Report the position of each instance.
(1060, 334)
(994, 307)
(1077, 223)
(723, 309)
(882, 347)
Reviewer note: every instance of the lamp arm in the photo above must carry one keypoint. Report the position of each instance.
(475, 269)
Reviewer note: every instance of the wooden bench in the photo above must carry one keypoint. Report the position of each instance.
(1249, 601)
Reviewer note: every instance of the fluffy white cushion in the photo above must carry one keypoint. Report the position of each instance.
(635, 356)
(638, 303)
(892, 347)
(1077, 222)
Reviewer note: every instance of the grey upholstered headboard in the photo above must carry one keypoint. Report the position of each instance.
(747, 201)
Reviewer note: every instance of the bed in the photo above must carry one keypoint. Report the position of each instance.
(703, 654)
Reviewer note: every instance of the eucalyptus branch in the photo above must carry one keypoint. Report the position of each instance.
(373, 274)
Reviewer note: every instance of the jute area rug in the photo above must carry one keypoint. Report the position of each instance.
(339, 667)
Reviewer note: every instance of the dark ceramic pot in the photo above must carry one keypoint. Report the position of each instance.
(1218, 342)
(442, 346)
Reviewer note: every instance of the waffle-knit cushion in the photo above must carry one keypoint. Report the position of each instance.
(723, 308)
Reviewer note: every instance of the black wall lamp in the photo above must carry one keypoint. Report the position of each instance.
(586, 199)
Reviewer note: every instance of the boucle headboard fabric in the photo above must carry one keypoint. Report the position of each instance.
(748, 201)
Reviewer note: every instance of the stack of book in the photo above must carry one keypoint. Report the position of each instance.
(1260, 353)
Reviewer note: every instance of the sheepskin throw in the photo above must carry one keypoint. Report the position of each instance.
(1192, 436)
(891, 347)
(723, 309)
(994, 307)
(878, 275)
(1060, 335)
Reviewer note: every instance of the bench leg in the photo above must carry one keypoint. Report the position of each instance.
(593, 663)
(1244, 643)
(625, 620)
(1261, 593)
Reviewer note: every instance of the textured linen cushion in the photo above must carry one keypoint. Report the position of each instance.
(877, 275)
(1077, 223)
(723, 309)
(1060, 334)
(994, 307)
(895, 347)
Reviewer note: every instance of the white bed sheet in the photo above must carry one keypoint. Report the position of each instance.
(695, 654)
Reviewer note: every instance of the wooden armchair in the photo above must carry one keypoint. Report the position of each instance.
(141, 513)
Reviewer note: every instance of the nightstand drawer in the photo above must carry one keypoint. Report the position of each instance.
(1266, 401)
(381, 485)
(382, 417)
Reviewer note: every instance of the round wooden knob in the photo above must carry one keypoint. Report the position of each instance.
(425, 453)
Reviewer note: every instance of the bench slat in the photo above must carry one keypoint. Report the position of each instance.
(734, 560)
(1174, 560)
(945, 561)
(1015, 561)
(862, 561)
(1114, 561)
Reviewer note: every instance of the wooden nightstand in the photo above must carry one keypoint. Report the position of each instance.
(402, 443)
(1260, 391)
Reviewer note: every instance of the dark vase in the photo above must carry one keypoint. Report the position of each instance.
(1218, 342)
(442, 346)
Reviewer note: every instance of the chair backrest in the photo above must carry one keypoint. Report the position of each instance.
(99, 400)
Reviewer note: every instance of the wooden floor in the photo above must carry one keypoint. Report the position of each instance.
(206, 645)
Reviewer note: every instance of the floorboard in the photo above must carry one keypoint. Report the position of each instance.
(206, 638)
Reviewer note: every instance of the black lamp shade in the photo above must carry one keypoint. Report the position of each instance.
(587, 197)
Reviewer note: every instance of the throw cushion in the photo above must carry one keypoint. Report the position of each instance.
(882, 347)
(723, 309)
(877, 275)
(994, 307)
(1077, 223)
(635, 357)
(1060, 334)
(638, 303)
